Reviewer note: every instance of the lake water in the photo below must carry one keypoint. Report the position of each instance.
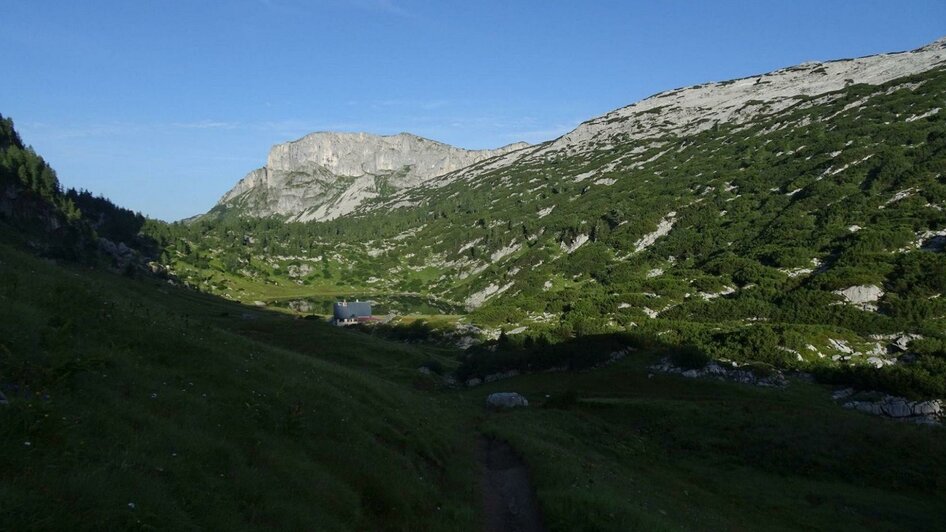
(381, 305)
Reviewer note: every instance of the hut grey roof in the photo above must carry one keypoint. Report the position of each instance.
(343, 310)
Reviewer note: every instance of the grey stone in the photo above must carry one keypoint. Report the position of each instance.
(927, 408)
(506, 400)
(896, 407)
(300, 179)
(902, 342)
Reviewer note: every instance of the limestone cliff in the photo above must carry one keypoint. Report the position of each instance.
(325, 175)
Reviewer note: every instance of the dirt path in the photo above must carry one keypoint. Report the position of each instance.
(509, 502)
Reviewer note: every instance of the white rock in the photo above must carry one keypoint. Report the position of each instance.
(927, 408)
(902, 342)
(325, 175)
(861, 295)
(478, 298)
(575, 244)
(689, 110)
(663, 227)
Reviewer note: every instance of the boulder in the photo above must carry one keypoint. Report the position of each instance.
(902, 342)
(896, 407)
(861, 295)
(927, 408)
(842, 394)
(505, 400)
(714, 369)
(865, 406)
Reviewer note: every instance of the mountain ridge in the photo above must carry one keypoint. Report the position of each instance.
(753, 228)
(327, 174)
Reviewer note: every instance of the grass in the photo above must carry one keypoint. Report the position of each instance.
(137, 405)
(149, 406)
(667, 453)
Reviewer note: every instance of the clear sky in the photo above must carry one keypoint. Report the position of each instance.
(163, 105)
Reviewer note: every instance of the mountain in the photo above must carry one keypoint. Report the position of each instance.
(811, 237)
(800, 212)
(690, 110)
(325, 175)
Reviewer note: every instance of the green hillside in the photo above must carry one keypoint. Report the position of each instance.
(178, 376)
(137, 405)
(740, 239)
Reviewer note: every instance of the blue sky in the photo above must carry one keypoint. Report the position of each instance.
(163, 105)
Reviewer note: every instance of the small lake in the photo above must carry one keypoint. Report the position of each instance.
(381, 305)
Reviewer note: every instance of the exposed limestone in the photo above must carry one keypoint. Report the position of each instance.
(687, 111)
(575, 244)
(899, 408)
(727, 371)
(325, 175)
(480, 297)
(863, 296)
(663, 227)
(505, 251)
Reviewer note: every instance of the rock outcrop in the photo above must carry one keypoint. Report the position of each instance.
(326, 175)
(864, 296)
(754, 375)
(506, 400)
(923, 412)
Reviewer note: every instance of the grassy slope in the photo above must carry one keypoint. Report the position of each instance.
(206, 414)
(654, 453)
(139, 393)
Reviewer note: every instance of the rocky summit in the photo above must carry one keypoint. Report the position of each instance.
(325, 175)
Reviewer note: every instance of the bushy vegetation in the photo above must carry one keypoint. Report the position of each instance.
(63, 224)
(771, 218)
(134, 404)
(530, 355)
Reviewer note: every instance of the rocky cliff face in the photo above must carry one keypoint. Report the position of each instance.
(326, 175)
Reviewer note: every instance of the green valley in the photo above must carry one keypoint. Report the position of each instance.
(719, 308)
